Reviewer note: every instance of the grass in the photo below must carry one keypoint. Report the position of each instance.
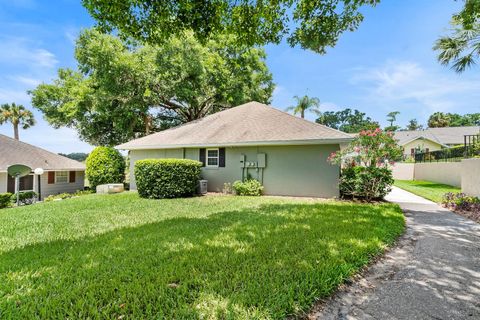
(122, 257)
(430, 190)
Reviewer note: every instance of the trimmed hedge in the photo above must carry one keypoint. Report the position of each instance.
(167, 178)
(5, 200)
(105, 165)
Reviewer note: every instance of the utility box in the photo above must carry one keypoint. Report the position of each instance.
(261, 160)
(242, 161)
(110, 188)
(203, 186)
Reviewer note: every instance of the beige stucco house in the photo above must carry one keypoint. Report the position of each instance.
(60, 175)
(433, 139)
(286, 153)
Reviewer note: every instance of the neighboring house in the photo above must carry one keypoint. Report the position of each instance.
(60, 173)
(433, 139)
(287, 154)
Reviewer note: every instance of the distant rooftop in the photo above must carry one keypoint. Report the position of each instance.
(443, 136)
(17, 152)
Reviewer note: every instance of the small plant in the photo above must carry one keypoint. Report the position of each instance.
(105, 165)
(167, 178)
(250, 187)
(24, 197)
(461, 202)
(5, 200)
(227, 188)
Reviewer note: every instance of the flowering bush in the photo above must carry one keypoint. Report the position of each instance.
(365, 164)
(368, 183)
(371, 148)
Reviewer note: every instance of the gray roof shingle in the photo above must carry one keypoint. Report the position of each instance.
(248, 124)
(444, 136)
(17, 152)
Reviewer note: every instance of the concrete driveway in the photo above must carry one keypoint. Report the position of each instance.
(434, 272)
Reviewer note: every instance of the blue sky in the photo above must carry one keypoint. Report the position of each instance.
(386, 65)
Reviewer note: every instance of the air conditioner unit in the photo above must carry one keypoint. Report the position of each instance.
(203, 186)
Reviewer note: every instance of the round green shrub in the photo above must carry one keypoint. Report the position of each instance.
(250, 187)
(167, 178)
(5, 200)
(105, 165)
(368, 183)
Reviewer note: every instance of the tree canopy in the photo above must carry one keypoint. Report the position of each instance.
(414, 125)
(311, 24)
(441, 119)
(348, 120)
(461, 48)
(392, 117)
(122, 90)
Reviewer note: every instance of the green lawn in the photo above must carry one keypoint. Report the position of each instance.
(430, 190)
(119, 256)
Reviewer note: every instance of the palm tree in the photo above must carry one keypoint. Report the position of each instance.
(17, 115)
(305, 103)
(461, 47)
(439, 120)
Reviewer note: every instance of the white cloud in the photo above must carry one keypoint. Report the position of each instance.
(20, 51)
(407, 84)
(26, 80)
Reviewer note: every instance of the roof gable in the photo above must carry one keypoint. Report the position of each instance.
(247, 124)
(443, 136)
(17, 152)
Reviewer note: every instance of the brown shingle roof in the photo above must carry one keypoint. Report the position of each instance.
(252, 123)
(16, 152)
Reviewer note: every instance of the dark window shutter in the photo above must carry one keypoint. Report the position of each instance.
(201, 157)
(72, 177)
(51, 177)
(221, 157)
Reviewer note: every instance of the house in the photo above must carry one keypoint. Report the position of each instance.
(60, 175)
(433, 139)
(287, 154)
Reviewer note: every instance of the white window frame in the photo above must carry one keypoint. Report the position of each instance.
(57, 175)
(217, 157)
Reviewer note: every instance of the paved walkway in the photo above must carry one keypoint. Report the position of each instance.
(434, 272)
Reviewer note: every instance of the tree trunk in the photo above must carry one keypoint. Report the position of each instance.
(15, 131)
(302, 114)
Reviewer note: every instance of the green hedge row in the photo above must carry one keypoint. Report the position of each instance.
(167, 178)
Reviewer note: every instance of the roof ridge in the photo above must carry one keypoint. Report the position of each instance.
(38, 148)
(305, 120)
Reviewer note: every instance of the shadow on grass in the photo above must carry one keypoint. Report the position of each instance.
(268, 262)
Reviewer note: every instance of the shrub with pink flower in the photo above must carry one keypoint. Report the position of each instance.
(371, 148)
(366, 164)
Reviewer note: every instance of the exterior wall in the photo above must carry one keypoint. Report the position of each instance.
(3, 182)
(403, 171)
(56, 188)
(422, 144)
(290, 170)
(441, 172)
(471, 176)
